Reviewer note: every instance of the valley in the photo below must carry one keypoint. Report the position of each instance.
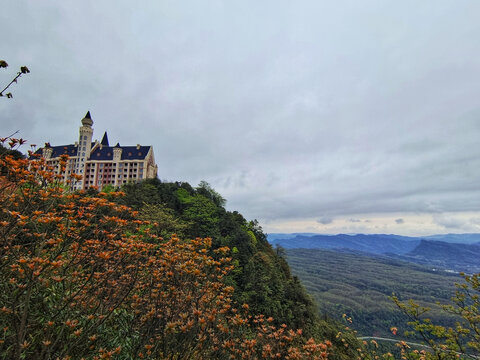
(356, 275)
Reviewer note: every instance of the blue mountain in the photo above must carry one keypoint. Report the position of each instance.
(444, 255)
(456, 252)
(370, 243)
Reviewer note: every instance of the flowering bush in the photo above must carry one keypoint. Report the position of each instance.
(82, 277)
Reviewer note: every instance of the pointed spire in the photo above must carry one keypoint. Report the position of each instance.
(87, 120)
(104, 141)
(118, 145)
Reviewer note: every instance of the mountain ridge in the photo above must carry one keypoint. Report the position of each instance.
(464, 238)
(434, 251)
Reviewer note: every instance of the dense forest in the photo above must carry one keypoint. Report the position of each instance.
(361, 286)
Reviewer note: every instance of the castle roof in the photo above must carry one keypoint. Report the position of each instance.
(70, 150)
(128, 152)
(100, 153)
(104, 141)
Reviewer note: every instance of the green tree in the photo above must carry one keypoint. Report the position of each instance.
(206, 190)
(445, 343)
(163, 220)
(203, 214)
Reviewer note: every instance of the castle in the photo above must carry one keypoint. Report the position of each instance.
(98, 163)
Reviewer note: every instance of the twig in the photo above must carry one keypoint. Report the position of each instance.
(23, 70)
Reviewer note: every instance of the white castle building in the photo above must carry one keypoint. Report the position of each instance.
(98, 163)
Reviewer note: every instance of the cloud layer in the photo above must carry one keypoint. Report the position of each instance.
(320, 110)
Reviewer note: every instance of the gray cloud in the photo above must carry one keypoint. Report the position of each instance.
(325, 220)
(457, 223)
(450, 222)
(312, 108)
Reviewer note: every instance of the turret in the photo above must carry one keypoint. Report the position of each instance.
(117, 153)
(47, 151)
(87, 120)
(85, 137)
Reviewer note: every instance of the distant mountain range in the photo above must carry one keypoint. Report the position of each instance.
(456, 252)
(453, 256)
(375, 244)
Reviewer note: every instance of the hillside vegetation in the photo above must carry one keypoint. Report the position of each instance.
(157, 271)
(360, 286)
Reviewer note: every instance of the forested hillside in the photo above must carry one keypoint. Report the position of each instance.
(157, 270)
(360, 286)
(261, 276)
(262, 279)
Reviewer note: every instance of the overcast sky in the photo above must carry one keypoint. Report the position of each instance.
(310, 116)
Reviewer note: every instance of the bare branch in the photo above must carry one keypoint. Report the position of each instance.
(23, 70)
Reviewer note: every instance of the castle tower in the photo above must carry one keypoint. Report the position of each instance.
(84, 144)
(117, 156)
(85, 137)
